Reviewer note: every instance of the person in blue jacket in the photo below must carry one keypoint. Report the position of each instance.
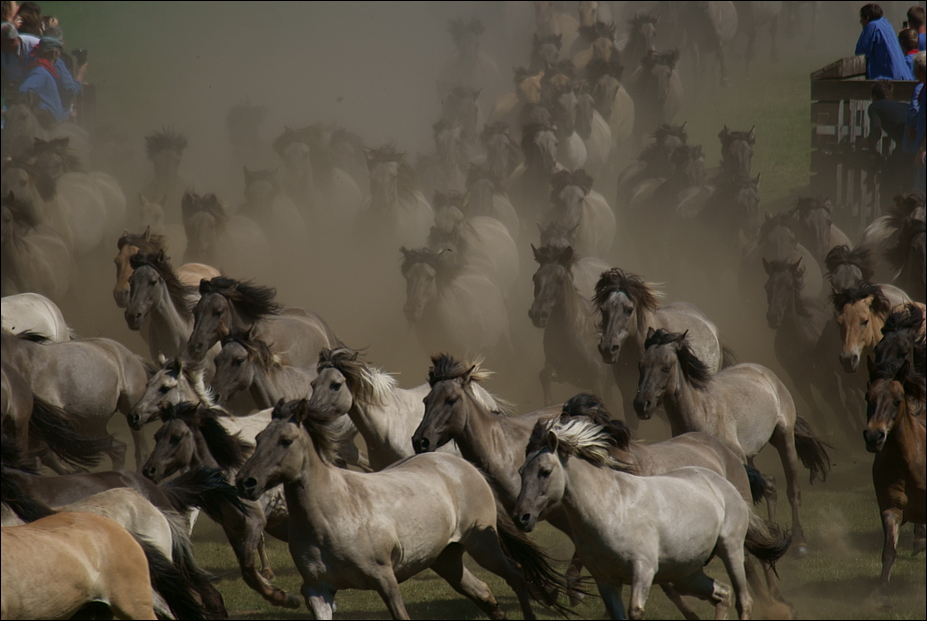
(50, 79)
(915, 17)
(879, 43)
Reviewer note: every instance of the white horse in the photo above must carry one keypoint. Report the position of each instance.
(34, 313)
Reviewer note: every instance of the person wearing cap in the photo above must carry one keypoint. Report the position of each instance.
(16, 49)
(879, 43)
(50, 79)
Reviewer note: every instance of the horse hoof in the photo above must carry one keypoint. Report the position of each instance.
(290, 601)
(919, 546)
(801, 550)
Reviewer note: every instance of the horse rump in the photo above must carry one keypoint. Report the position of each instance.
(811, 450)
(199, 579)
(170, 584)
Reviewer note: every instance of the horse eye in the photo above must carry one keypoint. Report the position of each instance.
(451, 400)
(238, 362)
(336, 386)
(217, 314)
(665, 369)
(285, 442)
(865, 322)
(152, 282)
(628, 311)
(175, 439)
(544, 474)
(897, 402)
(164, 390)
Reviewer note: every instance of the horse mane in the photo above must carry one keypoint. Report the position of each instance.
(442, 124)
(897, 255)
(446, 367)
(229, 451)
(193, 203)
(448, 199)
(666, 130)
(726, 137)
(44, 183)
(146, 243)
(694, 370)
(807, 204)
(318, 424)
(245, 113)
(565, 178)
(640, 18)
(910, 317)
(797, 277)
(529, 132)
(591, 407)
(598, 30)
(411, 257)
(21, 212)
(288, 137)
(61, 148)
(905, 204)
(258, 350)
(406, 181)
(641, 293)
(861, 257)
(253, 302)
(599, 67)
(539, 42)
(181, 295)
(667, 59)
(369, 385)
(880, 304)
(341, 134)
(577, 437)
(164, 140)
(555, 253)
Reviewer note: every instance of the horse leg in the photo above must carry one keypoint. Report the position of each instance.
(319, 600)
(891, 524)
(920, 539)
(701, 586)
(573, 572)
(141, 449)
(767, 592)
(546, 377)
(483, 546)
(749, 52)
(449, 565)
(771, 495)
(677, 600)
(388, 589)
(784, 441)
(246, 535)
(117, 453)
(612, 600)
(640, 588)
(266, 570)
(731, 550)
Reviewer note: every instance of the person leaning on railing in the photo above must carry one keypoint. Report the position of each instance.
(879, 43)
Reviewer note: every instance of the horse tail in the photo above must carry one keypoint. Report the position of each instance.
(170, 584)
(728, 357)
(205, 488)
(26, 508)
(52, 424)
(545, 584)
(811, 450)
(765, 542)
(198, 578)
(757, 483)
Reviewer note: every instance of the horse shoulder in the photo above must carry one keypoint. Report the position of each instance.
(192, 273)
(896, 297)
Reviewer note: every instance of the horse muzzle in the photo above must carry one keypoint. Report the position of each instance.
(133, 320)
(850, 362)
(538, 318)
(774, 321)
(875, 439)
(134, 420)
(609, 353)
(248, 488)
(524, 521)
(421, 445)
(643, 408)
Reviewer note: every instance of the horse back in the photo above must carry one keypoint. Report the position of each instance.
(703, 335)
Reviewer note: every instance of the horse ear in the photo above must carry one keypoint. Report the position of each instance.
(756, 180)
(559, 40)
(681, 338)
(162, 359)
(650, 333)
(535, 250)
(205, 286)
(175, 366)
(751, 137)
(656, 19)
(767, 266)
(278, 409)
(161, 258)
(769, 216)
(565, 256)
(724, 133)
(795, 267)
(466, 377)
(147, 233)
(252, 332)
(552, 441)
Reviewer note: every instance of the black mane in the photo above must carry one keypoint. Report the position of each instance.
(253, 302)
(880, 304)
(590, 406)
(695, 371)
(861, 257)
(181, 295)
(633, 285)
(229, 451)
(166, 139)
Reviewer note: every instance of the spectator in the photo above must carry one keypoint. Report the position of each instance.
(916, 22)
(8, 11)
(907, 39)
(50, 80)
(31, 15)
(920, 124)
(885, 115)
(16, 49)
(879, 43)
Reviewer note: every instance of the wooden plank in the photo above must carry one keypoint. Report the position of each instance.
(835, 90)
(824, 112)
(843, 68)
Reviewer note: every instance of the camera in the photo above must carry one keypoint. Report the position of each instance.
(80, 56)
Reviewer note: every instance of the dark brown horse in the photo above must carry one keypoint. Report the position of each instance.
(896, 434)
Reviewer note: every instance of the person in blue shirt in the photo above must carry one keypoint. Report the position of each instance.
(907, 39)
(16, 48)
(50, 80)
(879, 43)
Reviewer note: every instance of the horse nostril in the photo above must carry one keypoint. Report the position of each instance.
(249, 483)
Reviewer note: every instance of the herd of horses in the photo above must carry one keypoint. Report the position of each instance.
(260, 404)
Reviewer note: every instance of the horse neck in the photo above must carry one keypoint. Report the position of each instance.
(170, 322)
(643, 318)
(201, 456)
(687, 408)
(263, 388)
(582, 495)
(906, 440)
(575, 313)
(312, 493)
(376, 427)
(485, 444)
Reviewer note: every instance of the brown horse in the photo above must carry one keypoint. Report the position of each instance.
(896, 434)
(861, 312)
